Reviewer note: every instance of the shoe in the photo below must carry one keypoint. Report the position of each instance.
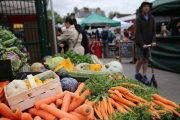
(136, 77)
(146, 80)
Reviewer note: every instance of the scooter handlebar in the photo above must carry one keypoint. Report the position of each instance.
(149, 45)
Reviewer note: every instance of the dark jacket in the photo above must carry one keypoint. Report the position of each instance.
(66, 46)
(145, 30)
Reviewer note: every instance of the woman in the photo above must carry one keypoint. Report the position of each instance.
(63, 44)
(73, 36)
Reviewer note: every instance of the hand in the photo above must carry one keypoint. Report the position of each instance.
(61, 45)
(153, 44)
(144, 46)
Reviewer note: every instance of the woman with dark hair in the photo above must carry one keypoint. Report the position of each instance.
(73, 36)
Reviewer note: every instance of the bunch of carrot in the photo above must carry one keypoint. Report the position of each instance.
(122, 99)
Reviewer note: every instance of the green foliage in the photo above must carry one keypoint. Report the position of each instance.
(57, 17)
(77, 58)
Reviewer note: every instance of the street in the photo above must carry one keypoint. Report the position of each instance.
(168, 82)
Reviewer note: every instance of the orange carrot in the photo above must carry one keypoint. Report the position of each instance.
(42, 113)
(91, 114)
(17, 113)
(80, 88)
(118, 93)
(103, 111)
(58, 113)
(136, 97)
(119, 107)
(110, 106)
(92, 103)
(125, 106)
(78, 102)
(80, 116)
(6, 112)
(94, 118)
(98, 113)
(26, 116)
(4, 118)
(53, 105)
(165, 101)
(105, 104)
(113, 112)
(160, 111)
(121, 89)
(65, 118)
(111, 91)
(48, 100)
(86, 101)
(131, 99)
(59, 102)
(73, 95)
(37, 118)
(165, 106)
(122, 100)
(133, 85)
(83, 109)
(66, 102)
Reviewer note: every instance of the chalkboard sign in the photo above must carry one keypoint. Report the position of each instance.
(126, 50)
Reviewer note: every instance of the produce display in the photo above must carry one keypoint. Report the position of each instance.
(91, 90)
(9, 49)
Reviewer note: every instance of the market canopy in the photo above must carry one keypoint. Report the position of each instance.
(124, 25)
(96, 20)
(166, 8)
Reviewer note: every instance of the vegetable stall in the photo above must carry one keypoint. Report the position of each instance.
(78, 87)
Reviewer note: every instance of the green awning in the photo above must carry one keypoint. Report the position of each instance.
(166, 8)
(96, 20)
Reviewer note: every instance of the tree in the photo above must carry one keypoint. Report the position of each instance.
(113, 14)
(57, 17)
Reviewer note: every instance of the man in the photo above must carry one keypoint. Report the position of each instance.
(63, 44)
(144, 35)
(105, 35)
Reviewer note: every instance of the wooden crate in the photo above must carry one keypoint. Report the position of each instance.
(27, 98)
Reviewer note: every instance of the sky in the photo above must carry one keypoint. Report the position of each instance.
(122, 6)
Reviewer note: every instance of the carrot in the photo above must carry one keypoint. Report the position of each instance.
(17, 113)
(6, 112)
(121, 89)
(131, 99)
(94, 118)
(167, 107)
(73, 95)
(110, 106)
(4, 118)
(80, 116)
(118, 93)
(133, 85)
(58, 102)
(86, 101)
(92, 103)
(66, 102)
(26, 116)
(58, 113)
(119, 107)
(83, 109)
(80, 88)
(165, 101)
(98, 113)
(122, 100)
(113, 112)
(49, 100)
(78, 102)
(37, 118)
(103, 111)
(105, 104)
(111, 91)
(42, 113)
(136, 97)
(91, 114)
(155, 114)
(53, 105)
(65, 119)
(160, 111)
(125, 106)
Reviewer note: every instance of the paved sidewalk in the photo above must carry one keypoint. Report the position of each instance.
(168, 82)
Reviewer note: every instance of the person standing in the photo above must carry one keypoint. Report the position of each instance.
(105, 35)
(144, 35)
(73, 36)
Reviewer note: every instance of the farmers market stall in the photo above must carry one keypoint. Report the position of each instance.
(79, 87)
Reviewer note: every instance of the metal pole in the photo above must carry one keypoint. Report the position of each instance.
(53, 26)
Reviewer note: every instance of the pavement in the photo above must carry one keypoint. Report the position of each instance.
(168, 82)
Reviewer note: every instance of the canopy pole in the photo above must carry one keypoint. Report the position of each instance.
(53, 27)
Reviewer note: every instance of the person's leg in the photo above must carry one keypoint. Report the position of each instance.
(138, 65)
(104, 49)
(145, 66)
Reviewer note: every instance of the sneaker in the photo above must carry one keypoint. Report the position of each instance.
(146, 79)
(136, 77)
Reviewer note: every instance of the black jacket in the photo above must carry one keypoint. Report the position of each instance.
(145, 30)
